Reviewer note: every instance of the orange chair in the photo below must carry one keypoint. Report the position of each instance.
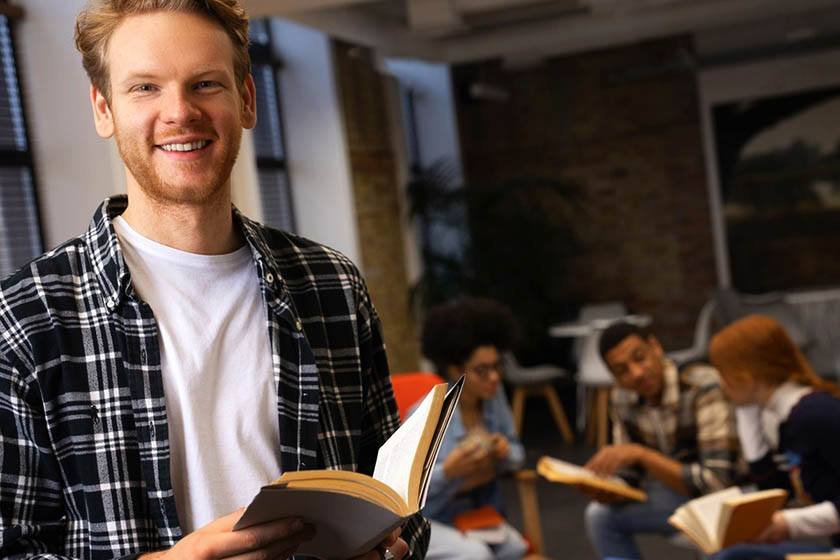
(410, 388)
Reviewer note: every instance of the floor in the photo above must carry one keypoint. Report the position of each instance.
(561, 507)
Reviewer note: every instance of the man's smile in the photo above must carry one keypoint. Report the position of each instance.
(184, 147)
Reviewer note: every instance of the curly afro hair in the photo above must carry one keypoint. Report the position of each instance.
(452, 331)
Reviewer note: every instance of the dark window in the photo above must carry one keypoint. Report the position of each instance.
(20, 234)
(275, 190)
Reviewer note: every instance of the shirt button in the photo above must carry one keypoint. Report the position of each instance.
(269, 278)
(110, 303)
(298, 325)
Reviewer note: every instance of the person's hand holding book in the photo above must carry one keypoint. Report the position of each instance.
(777, 531)
(612, 458)
(217, 539)
(501, 446)
(394, 544)
(465, 459)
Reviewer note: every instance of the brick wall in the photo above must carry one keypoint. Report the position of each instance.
(624, 124)
(373, 172)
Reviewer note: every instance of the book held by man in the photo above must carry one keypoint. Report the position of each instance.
(727, 517)
(556, 470)
(353, 512)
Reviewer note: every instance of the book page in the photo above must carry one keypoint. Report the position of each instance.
(575, 471)
(396, 456)
(450, 401)
(706, 510)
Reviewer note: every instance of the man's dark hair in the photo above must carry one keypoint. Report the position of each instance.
(452, 331)
(615, 335)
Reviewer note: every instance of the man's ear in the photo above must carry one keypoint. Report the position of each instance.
(103, 119)
(248, 92)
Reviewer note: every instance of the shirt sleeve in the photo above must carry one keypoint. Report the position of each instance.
(32, 518)
(504, 417)
(381, 418)
(632, 475)
(717, 443)
(819, 520)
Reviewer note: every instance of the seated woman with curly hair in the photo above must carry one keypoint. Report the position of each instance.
(466, 337)
(787, 423)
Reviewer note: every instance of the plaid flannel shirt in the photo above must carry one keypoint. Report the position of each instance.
(693, 424)
(84, 449)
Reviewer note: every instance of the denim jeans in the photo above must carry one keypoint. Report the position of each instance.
(612, 528)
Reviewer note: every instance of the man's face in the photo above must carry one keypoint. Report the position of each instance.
(176, 110)
(638, 366)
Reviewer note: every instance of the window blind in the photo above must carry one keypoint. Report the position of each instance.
(20, 236)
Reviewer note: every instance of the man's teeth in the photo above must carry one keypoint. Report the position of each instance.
(185, 147)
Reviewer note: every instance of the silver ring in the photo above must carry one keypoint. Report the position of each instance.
(387, 554)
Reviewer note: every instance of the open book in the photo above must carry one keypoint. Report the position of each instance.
(556, 470)
(726, 517)
(353, 512)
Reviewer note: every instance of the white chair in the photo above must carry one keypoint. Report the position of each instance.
(536, 380)
(594, 379)
(702, 333)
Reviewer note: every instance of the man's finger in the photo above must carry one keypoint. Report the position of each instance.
(399, 549)
(284, 548)
(288, 532)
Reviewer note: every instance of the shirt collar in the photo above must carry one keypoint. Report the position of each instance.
(112, 273)
(784, 398)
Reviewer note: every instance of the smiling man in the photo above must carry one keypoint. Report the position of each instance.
(160, 368)
(673, 434)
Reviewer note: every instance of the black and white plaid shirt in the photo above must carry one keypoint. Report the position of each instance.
(84, 445)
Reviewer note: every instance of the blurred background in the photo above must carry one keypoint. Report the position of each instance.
(678, 160)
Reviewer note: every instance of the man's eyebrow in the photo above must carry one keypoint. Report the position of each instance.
(152, 76)
(138, 76)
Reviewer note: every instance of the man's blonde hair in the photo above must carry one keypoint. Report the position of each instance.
(97, 22)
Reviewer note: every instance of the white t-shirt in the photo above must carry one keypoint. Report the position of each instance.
(221, 399)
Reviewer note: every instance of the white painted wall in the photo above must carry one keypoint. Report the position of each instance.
(76, 169)
(316, 142)
(437, 133)
(758, 79)
(437, 125)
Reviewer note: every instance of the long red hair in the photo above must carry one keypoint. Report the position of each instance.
(759, 347)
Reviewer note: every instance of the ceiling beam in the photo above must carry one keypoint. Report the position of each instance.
(601, 30)
(260, 8)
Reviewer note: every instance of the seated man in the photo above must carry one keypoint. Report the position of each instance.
(673, 434)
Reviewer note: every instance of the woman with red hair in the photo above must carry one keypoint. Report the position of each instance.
(787, 421)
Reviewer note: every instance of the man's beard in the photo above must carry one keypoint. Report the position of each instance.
(141, 166)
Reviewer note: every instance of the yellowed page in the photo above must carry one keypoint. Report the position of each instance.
(706, 510)
(557, 470)
(397, 455)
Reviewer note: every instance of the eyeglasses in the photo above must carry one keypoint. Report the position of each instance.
(484, 370)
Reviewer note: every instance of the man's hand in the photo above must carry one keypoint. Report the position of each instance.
(778, 530)
(614, 457)
(394, 543)
(501, 446)
(464, 460)
(274, 540)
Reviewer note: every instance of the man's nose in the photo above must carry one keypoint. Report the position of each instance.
(180, 107)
